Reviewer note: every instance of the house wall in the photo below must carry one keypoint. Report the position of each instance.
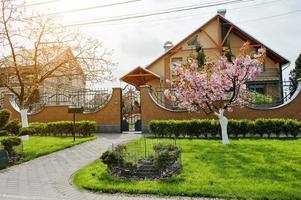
(107, 119)
(271, 71)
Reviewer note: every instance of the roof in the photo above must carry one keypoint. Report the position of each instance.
(276, 56)
(139, 76)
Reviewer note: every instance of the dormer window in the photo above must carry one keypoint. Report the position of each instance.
(193, 42)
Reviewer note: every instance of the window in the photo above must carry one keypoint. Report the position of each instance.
(193, 41)
(175, 62)
(257, 88)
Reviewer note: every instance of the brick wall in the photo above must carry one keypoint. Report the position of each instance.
(152, 111)
(108, 118)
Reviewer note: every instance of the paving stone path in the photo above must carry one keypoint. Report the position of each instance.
(47, 177)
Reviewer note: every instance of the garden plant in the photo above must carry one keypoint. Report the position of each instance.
(216, 86)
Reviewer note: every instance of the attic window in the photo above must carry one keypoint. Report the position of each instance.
(193, 41)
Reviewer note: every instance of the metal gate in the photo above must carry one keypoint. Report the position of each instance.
(131, 110)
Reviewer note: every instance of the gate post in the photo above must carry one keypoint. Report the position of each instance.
(144, 89)
(118, 102)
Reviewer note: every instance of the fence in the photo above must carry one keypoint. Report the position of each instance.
(144, 148)
(90, 100)
(277, 94)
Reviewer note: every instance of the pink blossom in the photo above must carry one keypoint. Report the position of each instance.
(220, 85)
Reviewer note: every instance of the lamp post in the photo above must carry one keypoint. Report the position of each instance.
(74, 110)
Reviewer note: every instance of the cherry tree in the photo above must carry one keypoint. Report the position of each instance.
(217, 86)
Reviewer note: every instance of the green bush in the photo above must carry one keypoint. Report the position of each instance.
(9, 143)
(165, 155)
(4, 117)
(3, 133)
(59, 128)
(27, 131)
(63, 128)
(38, 128)
(114, 158)
(236, 128)
(261, 99)
(85, 128)
(13, 127)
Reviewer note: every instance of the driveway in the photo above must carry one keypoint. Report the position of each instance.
(47, 177)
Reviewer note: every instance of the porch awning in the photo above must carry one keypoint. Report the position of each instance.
(139, 76)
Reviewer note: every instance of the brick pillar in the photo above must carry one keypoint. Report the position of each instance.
(144, 108)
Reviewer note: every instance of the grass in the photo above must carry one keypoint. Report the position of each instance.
(38, 146)
(247, 169)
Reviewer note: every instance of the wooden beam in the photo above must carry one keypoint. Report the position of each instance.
(210, 38)
(219, 33)
(252, 45)
(228, 33)
(139, 75)
(193, 49)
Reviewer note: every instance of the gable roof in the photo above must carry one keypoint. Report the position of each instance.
(139, 76)
(237, 31)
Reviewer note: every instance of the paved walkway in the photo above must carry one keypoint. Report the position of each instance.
(47, 177)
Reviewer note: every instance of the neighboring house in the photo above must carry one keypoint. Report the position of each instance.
(214, 36)
(70, 77)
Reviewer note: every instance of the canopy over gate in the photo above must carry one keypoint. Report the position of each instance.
(139, 76)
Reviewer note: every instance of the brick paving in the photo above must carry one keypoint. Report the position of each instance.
(47, 177)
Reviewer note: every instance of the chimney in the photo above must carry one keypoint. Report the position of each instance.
(168, 45)
(222, 12)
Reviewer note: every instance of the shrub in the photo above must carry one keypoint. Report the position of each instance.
(13, 127)
(86, 128)
(9, 143)
(236, 128)
(114, 158)
(60, 128)
(261, 99)
(4, 117)
(27, 131)
(3, 133)
(165, 155)
(38, 128)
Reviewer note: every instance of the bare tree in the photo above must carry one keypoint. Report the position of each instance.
(36, 49)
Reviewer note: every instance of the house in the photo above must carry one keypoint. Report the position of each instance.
(214, 36)
(68, 77)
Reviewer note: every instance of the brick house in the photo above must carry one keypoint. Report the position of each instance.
(214, 36)
(57, 82)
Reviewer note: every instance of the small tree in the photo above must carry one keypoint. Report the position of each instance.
(218, 86)
(295, 74)
(37, 48)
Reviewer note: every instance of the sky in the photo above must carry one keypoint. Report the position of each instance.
(137, 42)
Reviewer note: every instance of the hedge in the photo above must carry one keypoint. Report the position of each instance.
(4, 117)
(236, 128)
(60, 128)
(13, 127)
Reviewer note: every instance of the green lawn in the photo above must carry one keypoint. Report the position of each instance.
(248, 169)
(38, 146)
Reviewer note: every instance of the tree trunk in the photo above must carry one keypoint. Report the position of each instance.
(24, 118)
(223, 121)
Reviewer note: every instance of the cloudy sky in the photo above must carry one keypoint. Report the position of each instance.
(138, 41)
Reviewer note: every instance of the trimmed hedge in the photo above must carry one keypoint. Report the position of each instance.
(13, 127)
(4, 117)
(60, 128)
(236, 128)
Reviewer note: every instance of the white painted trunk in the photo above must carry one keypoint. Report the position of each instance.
(223, 121)
(24, 118)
